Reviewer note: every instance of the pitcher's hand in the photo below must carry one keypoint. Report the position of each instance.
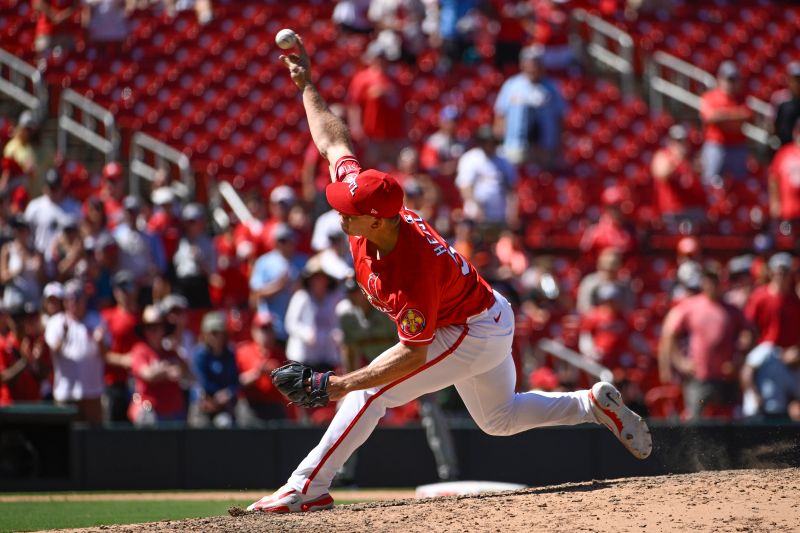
(299, 65)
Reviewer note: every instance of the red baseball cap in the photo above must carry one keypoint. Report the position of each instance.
(372, 193)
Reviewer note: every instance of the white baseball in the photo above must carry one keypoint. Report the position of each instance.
(286, 38)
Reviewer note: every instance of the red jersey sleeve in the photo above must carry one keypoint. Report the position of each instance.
(676, 319)
(416, 320)
(347, 168)
(138, 358)
(707, 105)
(751, 309)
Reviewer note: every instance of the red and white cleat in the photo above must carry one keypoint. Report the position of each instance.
(627, 426)
(288, 500)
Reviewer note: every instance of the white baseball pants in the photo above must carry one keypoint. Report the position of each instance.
(476, 358)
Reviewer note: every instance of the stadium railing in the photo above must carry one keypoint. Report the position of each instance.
(669, 77)
(150, 156)
(598, 45)
(80, 117)
(23, 83)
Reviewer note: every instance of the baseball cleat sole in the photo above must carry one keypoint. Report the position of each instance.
(627, 426)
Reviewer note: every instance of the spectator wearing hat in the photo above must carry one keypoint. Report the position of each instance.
(715, 332)
(366, 332)
(376, 108)
(441, 151)
(311, 319)
(25, 364)
(282, 200)
(180, 338)
(164, 222)
(774, 308)
(786, 103)
(609, 265)
(611, 230)
(19, 148)
(122, 320)
(196, 259)
(604, 331)
(740, 281)
(46, 212)
(486, 180)
(784, 182)
(140, 252)
(20, 263)
(158, 372)
(680, 196)
(78, 339)
(259, 399)
(275, 277)
(214, 364)
(529, 112)
(723, 112)
(52, 300)
(66, 251)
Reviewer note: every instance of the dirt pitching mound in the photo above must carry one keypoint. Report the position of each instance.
(726, 501)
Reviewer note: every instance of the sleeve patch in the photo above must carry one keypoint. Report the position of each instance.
(412, 322)
(347, 168)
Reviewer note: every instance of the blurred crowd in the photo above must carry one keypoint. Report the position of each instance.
(146, 309)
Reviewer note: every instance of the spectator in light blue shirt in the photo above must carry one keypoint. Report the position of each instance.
(275, 277)
(529, 111)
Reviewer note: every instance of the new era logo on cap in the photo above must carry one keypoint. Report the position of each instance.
(372, 193)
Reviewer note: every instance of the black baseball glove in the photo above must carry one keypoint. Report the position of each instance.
(301, 384)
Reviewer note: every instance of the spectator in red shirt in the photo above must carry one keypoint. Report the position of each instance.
(24, 356)
(679, 194)
(260, 401)
(604, 330)
(253, 231)
(165, 221)
(121, 320)
(774, 308)
(158, 373)
(440, 154)
(714, 331)
(723, 111)
(281, 201)
(56, 26)
(610, 231)
(784, 181)
(113, 193)
(376, 109)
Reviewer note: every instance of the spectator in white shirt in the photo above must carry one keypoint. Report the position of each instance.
(78, 340)
(311, 319)
(46, 212)
(486, 181)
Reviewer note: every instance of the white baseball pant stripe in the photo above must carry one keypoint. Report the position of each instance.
(476, 358)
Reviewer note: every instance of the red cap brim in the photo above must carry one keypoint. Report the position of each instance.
(338, 195)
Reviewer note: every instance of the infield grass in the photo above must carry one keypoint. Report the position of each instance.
(33, 516)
